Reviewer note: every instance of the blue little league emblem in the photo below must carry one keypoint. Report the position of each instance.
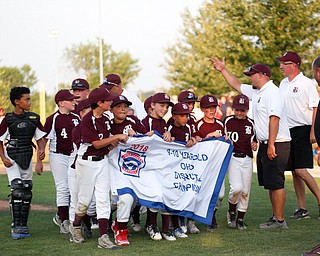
(131, 162)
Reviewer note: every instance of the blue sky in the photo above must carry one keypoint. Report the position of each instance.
(142, 27)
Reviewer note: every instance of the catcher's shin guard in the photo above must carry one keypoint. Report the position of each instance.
(16, 201)
(26, 201)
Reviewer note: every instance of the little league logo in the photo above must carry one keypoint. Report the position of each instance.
(131, 162)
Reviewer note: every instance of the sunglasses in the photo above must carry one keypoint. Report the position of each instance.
(79, 85)
(191, 97)
(287, 63)
(240, 110)
(105, 81)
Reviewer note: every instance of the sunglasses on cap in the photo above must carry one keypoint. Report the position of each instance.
(240, 110)
(191, 97)
(79, 85)
(287, 63)
(105, 81)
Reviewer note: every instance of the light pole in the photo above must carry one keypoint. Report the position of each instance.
(55, 33)
(100, 45)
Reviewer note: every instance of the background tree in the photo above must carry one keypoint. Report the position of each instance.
(244, 32)
(85, 58)
(11, 77)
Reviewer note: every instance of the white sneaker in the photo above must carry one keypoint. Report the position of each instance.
(179, 233)
(104, 242)
(154, 232)
(64, 227)
(192, 228)
(76, 234)
(168, 236)
(56, 220)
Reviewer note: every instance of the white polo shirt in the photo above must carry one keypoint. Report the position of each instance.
(267, 102)
(300, 97)
(137, 105)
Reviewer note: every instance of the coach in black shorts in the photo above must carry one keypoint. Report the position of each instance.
(269, 115)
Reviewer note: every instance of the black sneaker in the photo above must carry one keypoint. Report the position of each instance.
(241, 225)
(300, 214)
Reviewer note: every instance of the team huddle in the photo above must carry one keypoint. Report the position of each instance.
(89, 124)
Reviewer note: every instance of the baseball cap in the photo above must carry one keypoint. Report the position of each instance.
(258, 68)
(120, 99)
(110, 81)
(64, 95)
(99, 94)
(147, 103)
(180, 108)
(187, 96)
(83, 105)
(80, 84)
(290, 56)
(161, 97)
(208, 101)
(240, 102)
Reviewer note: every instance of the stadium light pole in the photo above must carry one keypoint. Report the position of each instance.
(100, 45)
(55, 33)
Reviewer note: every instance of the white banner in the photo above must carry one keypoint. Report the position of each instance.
(170, 176)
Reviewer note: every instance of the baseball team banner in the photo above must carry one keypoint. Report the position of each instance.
(170, 176)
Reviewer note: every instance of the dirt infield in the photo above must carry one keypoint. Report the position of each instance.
(4, 205)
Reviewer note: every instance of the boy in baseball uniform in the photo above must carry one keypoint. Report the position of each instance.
(240, 130)
(122, 123)
(160, 103)
(93, 174)
(59, 128)
(18, 129)
(207, 127)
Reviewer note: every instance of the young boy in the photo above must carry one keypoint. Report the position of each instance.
(59, 128)
(207, 127)
(190, 99)
(122, 123)
(239, 128)
(160, 105)
(83, 108)
(18, 128)
(181, 131)
(92, 166)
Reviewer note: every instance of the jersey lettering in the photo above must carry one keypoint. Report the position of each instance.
(234, 136)
(64, 133)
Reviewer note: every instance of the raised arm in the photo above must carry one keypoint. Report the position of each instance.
(233, 81)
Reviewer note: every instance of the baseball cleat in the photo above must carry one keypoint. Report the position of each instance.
(104, 242)
(168, 236)
(121, 237)
(15, 233)
(192, 228)
(64, 227)
(154, 232)
(179, 233)
(76, 234)
(231, 219)
(240, 224)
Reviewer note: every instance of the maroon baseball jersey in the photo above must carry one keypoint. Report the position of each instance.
(191, 122)
(203, 128)
(241, 132)
(93, 129)
(76, 136)
(183, 133)
(154, 124)
(131, 122)
(59, 131)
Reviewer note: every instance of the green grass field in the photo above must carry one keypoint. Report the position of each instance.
(46, 240)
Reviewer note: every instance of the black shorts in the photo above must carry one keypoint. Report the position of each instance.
(271, 172)
(301, 156)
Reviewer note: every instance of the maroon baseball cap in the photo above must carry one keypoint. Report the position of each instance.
(208, 101)
(161, 97)
(180, 108)
(290, 56)
(147, 103)
(64, 95)
(120, 99)
(80, 84)
(187, 96)
(258, 68)
(110, 81)
(240, 102)
(99, 94)
(83, 105)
